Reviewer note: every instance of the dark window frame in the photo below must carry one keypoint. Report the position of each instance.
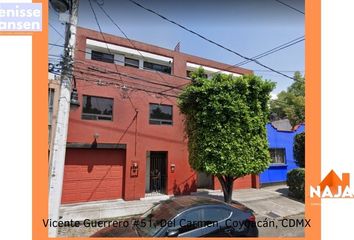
(99, 117)
(159, 65)
(130, 64)
(156, 121)
(95, 55)
(280, 149)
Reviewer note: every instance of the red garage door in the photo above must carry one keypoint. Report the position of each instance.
(92, 175)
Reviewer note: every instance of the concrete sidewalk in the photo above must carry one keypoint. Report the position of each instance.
(108, 209)
(269, 201)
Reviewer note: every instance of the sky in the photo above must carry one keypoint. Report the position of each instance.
(249, 27)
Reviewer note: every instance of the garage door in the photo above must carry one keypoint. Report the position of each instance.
(93, 175)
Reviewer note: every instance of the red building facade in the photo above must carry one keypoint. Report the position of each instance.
(126, 139)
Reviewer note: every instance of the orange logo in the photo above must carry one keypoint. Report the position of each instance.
(332, 186)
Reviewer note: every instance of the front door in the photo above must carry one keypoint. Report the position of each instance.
(156, 173)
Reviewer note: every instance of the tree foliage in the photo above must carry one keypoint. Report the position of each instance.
(296, 182)
(290, 104)
(299, 149)
(225, 119)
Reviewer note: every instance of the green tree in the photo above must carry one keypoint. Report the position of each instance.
(299, 149)
(290, 104)
(225, 119)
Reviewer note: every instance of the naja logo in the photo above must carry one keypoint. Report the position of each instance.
(333, 186)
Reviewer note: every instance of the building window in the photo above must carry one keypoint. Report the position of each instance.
(157, 67)
(130, 62)
(160, 114)
(97, 108)
(277, 155)
(103, 57)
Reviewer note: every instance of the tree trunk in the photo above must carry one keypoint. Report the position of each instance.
(227, 184)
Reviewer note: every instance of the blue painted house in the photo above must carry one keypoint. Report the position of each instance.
(280, 140)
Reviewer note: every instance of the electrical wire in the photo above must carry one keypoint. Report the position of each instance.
(85, 71)
(179, 86)
(61, 35)
(114, 83)
(289, 6)
(96, 75)
(56, 42)
(126, 36)
(210, 41)
(101, 32)
(266, 53)
(102, 70)
(273, 50)
(135, 77)
(120, 61)
(142, 88)
(264, 70)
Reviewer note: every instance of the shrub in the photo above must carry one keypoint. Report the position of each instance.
(299, 149)
(296, 183)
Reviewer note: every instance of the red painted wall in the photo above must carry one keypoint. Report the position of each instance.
(138, 135)
(249, 181)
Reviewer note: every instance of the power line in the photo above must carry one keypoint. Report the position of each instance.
(61, 35)
(120, 61)
(100, 29)
(55, 56)
(119, 85)
(56, 42)
(185, 78)
(99, 82)
(105, 82)
(103, 73)
(273, 50)
(125, 35)
(209, 40)
(104, 70)
(178, 87)
(289, 6)
(84, 72)
(132, 77)
(290, 71)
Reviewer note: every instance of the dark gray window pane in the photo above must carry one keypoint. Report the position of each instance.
(160, 114)
(130, 62)
(157, 67)
(97, 108)
(215, 214)
(277, 155)
(103, 57)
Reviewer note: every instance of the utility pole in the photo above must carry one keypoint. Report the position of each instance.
(57, 160)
